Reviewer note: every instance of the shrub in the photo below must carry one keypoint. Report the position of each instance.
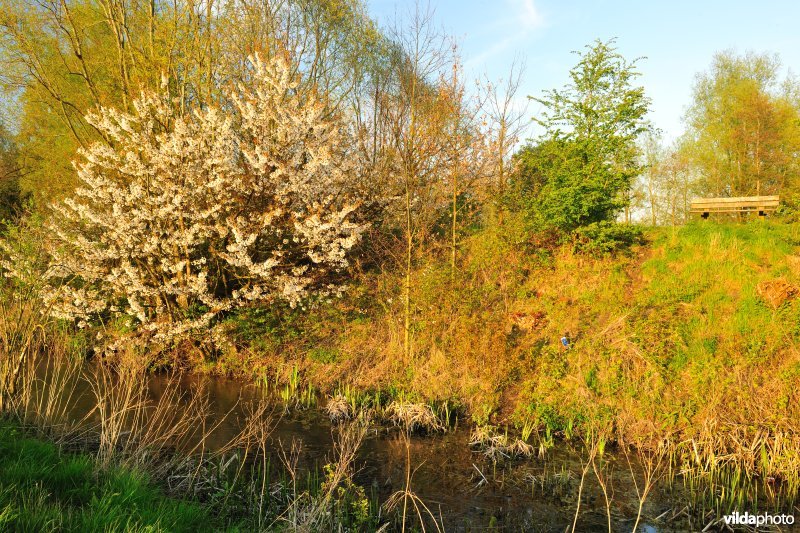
(600, 238)
(184, 217)
(585, 161)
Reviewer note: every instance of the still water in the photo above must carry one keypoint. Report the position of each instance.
(460, 485)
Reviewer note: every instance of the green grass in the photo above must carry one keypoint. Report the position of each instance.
(43, 489)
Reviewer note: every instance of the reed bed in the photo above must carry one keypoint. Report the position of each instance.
(40, 368)
(727, 467)
(414, 417)
(140, 429)
(499, 445)
(126, 424)
(24, 338)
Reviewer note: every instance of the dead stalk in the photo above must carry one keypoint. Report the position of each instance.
(584, 471)
(651, 461)
(406, 496)
(601, 480)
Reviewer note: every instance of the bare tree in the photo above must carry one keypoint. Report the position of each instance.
(505, 118)
(416, 121)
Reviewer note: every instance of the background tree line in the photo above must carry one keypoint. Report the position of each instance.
(742, 138)
(62, 59)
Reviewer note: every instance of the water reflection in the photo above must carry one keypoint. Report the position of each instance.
(468, 492)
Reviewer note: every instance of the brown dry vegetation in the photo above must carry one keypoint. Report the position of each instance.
(677, 340)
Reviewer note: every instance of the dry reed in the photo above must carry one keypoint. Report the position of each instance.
(496, 445)
(414, 417)
(408, 497)
(139, 429)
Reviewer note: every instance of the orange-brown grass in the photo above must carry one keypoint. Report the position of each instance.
(666, 339)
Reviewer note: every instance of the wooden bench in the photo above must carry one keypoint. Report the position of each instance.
(744, 204)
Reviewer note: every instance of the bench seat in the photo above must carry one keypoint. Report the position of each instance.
(743, 204)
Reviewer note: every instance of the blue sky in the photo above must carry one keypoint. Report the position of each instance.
(677, 39)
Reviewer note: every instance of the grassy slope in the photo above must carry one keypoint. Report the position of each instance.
(682, 338)
(42, 489)
(670, 337)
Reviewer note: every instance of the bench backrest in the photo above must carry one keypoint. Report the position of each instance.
(735, 205)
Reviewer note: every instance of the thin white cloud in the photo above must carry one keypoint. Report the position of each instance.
(530, 16)
(524, 17)
(480, 59)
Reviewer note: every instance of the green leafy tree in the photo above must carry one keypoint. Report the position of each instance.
(743, 127)
(588, 155)
(531, 166)
(65, 58)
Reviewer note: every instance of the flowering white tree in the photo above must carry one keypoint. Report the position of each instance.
(182, 218)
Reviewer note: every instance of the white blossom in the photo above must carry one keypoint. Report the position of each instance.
(208, 212)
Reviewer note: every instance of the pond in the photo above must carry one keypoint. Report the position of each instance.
(464, 489)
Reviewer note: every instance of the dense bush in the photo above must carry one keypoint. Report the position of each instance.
(183, 217)
(575, 178)
(606, 237)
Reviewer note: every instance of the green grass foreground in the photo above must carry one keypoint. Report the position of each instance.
(44, 489)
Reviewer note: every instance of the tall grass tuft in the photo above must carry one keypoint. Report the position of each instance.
(142, 430)
(407, 503)
(23, 338)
